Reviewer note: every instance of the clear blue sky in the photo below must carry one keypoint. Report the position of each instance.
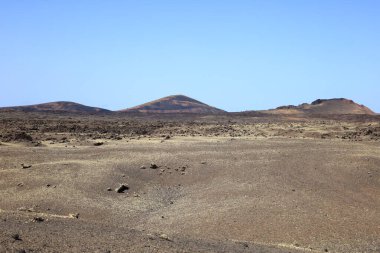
(235, 55)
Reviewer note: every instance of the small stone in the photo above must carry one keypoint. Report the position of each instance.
(38, 219)
(326, 250)
(26, 166)
(142, 168)
(153, 166)
(245, 245)
(20, 184)
(122, 188)
(74, 215)
(109, 189)
(151, 237)
(203, 162)
(16, 237)
(48, 185)
(164, 237)
(98, 143)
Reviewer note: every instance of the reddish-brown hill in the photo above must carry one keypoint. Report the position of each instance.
(175, 104)
(325, 106)
(60, 106)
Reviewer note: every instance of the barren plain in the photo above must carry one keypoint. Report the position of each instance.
(225, 183)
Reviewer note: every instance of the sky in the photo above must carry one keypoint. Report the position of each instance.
(235, 55)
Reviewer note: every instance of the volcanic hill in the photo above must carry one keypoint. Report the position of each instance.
(175, 104)
(60, 106)
(324, 106)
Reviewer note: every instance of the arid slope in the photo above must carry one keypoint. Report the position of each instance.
(60, 106)
(324, 107)
(175, 104)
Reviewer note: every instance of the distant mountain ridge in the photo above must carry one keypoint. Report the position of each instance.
(180, 104)
(325, 106)
(59, 106)
(175, 104)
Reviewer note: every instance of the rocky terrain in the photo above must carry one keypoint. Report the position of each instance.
(39, 128)
(189, 182)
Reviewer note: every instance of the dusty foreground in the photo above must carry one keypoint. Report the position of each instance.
(208, 194)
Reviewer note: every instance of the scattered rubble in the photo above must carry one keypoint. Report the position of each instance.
(17, 137)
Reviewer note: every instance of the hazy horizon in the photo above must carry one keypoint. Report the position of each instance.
(236, 56)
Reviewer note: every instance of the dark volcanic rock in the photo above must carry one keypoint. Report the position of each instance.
(38, 219)
(122, 188)
(26, 166)
(153, 166)
(16, 237)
